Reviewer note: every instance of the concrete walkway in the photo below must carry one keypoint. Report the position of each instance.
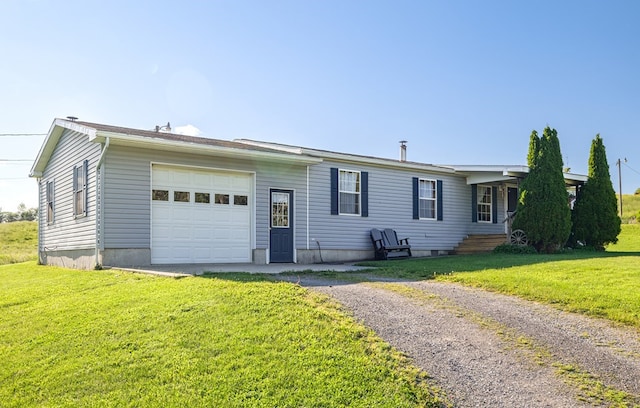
(183, 270)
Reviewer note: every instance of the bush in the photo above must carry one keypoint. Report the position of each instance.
(514, 249)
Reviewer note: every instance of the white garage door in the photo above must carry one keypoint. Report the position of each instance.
(200, 216)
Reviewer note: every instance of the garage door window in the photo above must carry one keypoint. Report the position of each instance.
(204, 198)
(181, 196)
(160, 195)
(222, 198)
(239, 200)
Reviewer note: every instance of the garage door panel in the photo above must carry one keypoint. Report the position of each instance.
(190, 232)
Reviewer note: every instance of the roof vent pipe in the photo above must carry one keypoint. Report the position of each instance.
(403, 150)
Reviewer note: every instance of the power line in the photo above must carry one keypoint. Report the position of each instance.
(16, 160)
(630, 168)
(21, 134)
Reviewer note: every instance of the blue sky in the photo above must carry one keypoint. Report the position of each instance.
(465, 82)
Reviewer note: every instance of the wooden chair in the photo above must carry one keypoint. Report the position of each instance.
(387, 245)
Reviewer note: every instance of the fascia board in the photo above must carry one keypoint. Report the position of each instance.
(173, 145)
(486, 178)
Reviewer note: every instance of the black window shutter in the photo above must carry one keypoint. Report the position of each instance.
(416, 199)
(474, 203)
(75, 179)
(364, 193)
(439, 199)
(85, 185)
(494, 204)
(334, 191)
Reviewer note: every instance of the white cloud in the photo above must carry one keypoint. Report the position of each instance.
(188, 130)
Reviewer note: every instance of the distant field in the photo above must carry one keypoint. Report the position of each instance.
(630, 207)
(18, 242)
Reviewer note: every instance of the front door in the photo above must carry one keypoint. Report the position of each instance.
(281, 228)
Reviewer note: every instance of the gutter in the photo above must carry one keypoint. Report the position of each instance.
(99, 198)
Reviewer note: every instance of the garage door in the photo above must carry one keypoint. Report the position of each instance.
(200, 216)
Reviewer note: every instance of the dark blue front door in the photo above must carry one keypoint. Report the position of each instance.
(281, 226)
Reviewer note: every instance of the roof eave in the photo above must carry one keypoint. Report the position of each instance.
(48, 146)
(190, 147)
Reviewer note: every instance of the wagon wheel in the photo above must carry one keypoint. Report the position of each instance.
(518, 237)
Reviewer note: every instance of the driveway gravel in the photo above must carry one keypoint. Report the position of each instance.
(490, 350)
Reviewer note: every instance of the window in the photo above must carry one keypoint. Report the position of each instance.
(240, 200)
(50, 202)
(484, 207)
(349, 192)
(80, 189)
(160, 195)
(222, 198)
(279, 210)
(427, 197)
(203, 198)
(181, 196)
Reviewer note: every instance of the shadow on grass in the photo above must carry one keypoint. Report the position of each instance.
(415, 268)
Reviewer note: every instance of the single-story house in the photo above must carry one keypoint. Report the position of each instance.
(114, 196)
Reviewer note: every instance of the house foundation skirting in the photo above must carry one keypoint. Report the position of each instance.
(72, 258)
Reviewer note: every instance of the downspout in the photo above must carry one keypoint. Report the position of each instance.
(99, 198)
(40, 223)
(307, 217)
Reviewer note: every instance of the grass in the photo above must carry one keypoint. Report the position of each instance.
(18, 242)
(97, 338)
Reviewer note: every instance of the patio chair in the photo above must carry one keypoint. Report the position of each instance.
(387, 245)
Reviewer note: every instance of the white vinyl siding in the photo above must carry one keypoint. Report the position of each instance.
(349, 192)
(427, 199)
(66, 231)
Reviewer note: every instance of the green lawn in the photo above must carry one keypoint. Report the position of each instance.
(103, 338)
(18, 242)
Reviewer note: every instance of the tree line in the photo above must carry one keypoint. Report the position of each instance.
(23, 214)
(544, 211)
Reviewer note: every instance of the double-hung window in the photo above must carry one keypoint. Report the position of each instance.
(50, 198)
(349, 192)
(485, 203)
(427, 199)
(80, 189)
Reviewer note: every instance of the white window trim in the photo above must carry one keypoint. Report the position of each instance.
(434, 199)
(80, 188)
(358, 193)
(491, 204)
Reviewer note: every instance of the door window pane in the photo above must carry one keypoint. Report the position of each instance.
(280, 210)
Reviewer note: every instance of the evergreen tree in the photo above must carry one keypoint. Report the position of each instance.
(534, 150)
(543, 212)
(595, 214)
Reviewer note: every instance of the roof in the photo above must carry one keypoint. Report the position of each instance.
(117, 135)
(259, 150)
(348, 157)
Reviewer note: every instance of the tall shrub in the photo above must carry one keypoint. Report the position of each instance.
(543, 212)
(595, 213)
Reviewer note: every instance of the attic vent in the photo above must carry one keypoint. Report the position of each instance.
(166, 128)
(403, 150)
(72, 118)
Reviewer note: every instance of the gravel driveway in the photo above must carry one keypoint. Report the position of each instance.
(489, 350)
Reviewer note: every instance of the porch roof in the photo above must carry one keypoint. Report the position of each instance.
(478, 174)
